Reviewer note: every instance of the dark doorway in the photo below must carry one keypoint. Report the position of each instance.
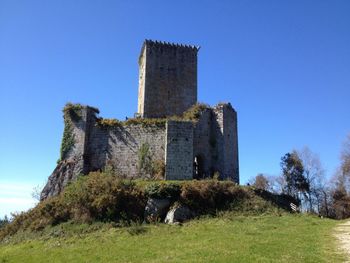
(198, 167)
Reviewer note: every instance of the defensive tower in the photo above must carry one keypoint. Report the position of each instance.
(167, 79)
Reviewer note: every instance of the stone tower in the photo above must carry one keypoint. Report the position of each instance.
(167, 79)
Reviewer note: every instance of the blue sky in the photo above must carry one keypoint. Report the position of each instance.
(284, 66)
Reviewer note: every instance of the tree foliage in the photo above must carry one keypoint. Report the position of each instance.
(345, 157)
(315, 177)
(293, 173)
(261, 182)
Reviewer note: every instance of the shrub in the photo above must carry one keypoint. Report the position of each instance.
(4, 221)
(136, 228)
(193, 113)
(106, 123)
(163, 190)
(96, 197)
(207, 196)
(73, 111)
(105, 198)
(158, 169)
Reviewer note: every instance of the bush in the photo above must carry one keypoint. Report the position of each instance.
(4, 221)
(105, 197)
(193, 113)
(96, 197)
(163, 190)
(207, 196)
(158, 169)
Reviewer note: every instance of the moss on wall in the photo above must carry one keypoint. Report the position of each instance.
(71, 112)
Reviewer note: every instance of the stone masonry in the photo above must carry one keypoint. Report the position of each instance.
(167, 79)
(184, 148)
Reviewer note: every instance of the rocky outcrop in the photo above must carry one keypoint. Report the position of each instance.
(65, 172)
(156, 209)
(178, 214)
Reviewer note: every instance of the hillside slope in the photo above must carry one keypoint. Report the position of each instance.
(226, 238)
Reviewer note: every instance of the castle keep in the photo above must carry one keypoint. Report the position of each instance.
(171, 137)
(167, 79)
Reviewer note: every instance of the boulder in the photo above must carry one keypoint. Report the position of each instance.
(156, 209)
(178, 214)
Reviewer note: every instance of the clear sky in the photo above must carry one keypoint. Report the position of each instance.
(283, 65)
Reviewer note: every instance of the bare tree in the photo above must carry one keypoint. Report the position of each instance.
(345, 156)
(340, 199)
(276, 183)
(315, 177)
(260, 182)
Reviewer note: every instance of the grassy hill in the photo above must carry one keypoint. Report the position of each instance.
(98, 219)
(225, 238)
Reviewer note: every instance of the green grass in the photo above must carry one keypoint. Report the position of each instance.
(227, 238)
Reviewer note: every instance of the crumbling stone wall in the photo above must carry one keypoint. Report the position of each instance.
(216, 143)
(96, 147)
(77, 121)
(226, 153)
(210, 140)
(202, 145)
(119, 147)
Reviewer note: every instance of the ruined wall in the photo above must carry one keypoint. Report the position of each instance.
(224, 126)
(202, 144)
(78, 120)
(212, 139)
(179, 150)
(120, 147)
(167, 79)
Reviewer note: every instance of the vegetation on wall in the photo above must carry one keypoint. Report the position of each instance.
(191, 114)
(148, 167)
(106, 123)
(158, 169)
(110, 123)
(68, 138)
(144, 164)
(71, 112)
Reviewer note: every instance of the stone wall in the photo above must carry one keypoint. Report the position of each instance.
(226, 153)
(73, 162)
(167, 79)
(211, 140)
(202, 144)
(179, 150)
(120, 146)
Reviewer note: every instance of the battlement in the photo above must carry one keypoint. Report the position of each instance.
(163, 44)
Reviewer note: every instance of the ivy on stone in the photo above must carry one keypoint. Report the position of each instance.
(144, 160)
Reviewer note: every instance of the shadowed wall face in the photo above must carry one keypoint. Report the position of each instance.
(167, 79)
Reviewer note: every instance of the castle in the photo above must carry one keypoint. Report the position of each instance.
(171, 137)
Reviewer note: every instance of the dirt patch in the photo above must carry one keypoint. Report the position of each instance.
(342, 233)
